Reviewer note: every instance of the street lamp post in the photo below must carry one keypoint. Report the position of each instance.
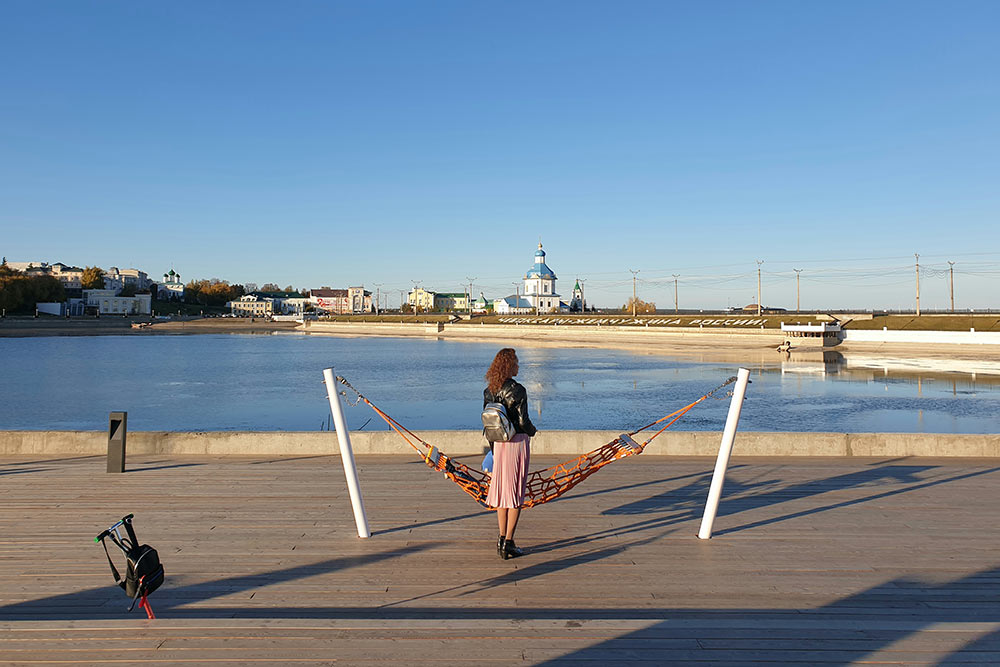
(951, 284)
(676, 310)
(416, 283)
(634, 297)
(378, 296)
(797, 272)
(759, 307)
(469, 298)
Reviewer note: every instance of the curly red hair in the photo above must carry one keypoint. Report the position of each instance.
(504, 366)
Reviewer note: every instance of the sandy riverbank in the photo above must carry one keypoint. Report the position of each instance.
(119, 326)
(708, 345)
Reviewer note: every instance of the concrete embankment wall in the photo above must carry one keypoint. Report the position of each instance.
(471, 443)
(921, 337)
(565, 333)
(629, 335)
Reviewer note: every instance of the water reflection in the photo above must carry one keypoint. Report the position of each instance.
(961, 374)
(235, 382)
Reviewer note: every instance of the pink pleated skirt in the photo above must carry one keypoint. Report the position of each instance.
(510, 472)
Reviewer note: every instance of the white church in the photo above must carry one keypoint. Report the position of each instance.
(539, 295)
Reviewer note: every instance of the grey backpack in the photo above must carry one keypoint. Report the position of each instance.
(496, 423)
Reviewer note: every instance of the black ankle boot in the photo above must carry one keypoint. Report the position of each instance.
(500, 541)
(510, 550)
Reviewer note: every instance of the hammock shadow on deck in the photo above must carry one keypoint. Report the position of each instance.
(530, 570)
(739, 496)
(687, 503)
(18, 467)
(22, 471)
(865, 478)
(149, 467)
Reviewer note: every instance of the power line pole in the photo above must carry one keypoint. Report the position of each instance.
(378, 296)
(759, 262)
(517, 294)
(676, 275)
(951, 283)
(415, 296)
(797, 272)
(468, 299)
(634, 274)
(918, 282)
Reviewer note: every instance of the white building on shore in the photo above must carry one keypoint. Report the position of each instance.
(171, 287)
(115, 278)
(70, 276)
(513, 305)
(107, 302)
(540, 285)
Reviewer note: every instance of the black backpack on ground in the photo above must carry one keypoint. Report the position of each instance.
(143, 570)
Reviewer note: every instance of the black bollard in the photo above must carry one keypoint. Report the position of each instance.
(117, 429)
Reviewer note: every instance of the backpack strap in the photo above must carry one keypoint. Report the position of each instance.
(131, 532)
(114, 570)
(138, 592)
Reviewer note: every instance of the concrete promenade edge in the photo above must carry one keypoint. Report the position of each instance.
(471, 443)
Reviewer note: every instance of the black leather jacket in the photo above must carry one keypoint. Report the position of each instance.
(515, 399)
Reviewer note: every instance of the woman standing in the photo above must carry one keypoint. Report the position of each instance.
(510, 459)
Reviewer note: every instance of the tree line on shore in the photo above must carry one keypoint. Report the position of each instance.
(20, 291)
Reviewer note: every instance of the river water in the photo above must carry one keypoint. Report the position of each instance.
(274, 383)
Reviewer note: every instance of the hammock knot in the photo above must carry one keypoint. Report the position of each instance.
(347, 384)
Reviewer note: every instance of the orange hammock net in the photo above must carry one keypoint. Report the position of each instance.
(542, 485)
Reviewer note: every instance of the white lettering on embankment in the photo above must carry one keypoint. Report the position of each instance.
(637, 321)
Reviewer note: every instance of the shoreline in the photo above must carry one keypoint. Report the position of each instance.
(120, 326)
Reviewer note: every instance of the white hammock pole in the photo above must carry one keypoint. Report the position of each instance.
(725, 449)
(346, 453)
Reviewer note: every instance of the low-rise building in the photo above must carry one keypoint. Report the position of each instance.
(70, 276)
(121, 278)
(420, 298)
(513, 305)
(451, 301)
(286, 303)
(341, 301)
(107, 302)
(252, 305)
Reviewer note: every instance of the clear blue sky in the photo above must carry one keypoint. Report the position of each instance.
(335, 143)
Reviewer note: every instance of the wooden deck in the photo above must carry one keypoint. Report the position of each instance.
(814, 561)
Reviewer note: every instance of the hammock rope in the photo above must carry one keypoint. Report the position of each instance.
(542, 485)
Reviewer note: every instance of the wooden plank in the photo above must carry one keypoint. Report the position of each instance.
(830, 561)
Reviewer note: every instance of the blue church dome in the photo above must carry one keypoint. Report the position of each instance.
(540, 270)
